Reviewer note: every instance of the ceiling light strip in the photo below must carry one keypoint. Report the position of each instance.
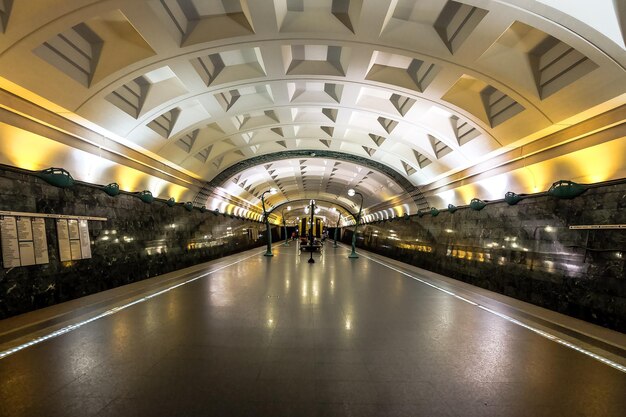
(113, 310)
(510, 319)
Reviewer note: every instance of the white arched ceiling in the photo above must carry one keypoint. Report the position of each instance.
(330, 212)
(441, 93)
(312, 178)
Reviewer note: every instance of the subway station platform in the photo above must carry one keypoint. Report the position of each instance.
(249, 335)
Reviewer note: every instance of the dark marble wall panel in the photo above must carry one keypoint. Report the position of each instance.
(138, 241)
(526, 251)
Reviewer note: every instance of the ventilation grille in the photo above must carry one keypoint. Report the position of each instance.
(75, 52)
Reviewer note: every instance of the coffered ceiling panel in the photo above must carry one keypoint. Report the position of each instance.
(398, 99)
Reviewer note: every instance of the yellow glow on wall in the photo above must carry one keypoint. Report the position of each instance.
(590, 165)
(33, 152)
(466, 193)
(598, 163)
(176, 191)
(128, 178)
(594, 164)
(27, 150)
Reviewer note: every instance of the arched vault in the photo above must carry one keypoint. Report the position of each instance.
(214, 100)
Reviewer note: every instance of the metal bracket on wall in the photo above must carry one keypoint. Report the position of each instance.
(51, 216)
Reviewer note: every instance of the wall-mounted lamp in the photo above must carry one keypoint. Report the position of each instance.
(57, 177)
(477, 204)
(146, 196)
(112, 189)
(566, 189)
(511, 198)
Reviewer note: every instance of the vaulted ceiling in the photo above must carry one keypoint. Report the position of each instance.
(412, 102)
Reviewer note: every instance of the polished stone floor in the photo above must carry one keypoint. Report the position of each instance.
(282, 337)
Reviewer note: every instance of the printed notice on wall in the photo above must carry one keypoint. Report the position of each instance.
(10, 246)
(63, 236)
(24, 229)
(73, 229)
(27, 252)
(85, 240)
(40, 242)
(75, 250)
(23, 241)
(74, 242)
(25, 237)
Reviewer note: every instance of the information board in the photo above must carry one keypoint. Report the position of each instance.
(75, 250)
(40, 241)
(24, 229)
(63, 236)
(10, 246)
(72, 225)
(24, 241)
(27, 253)
(85, 240)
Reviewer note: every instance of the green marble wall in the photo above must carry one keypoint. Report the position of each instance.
(138, 241)
(526, 251)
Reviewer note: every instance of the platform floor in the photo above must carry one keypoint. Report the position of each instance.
(282, 337)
